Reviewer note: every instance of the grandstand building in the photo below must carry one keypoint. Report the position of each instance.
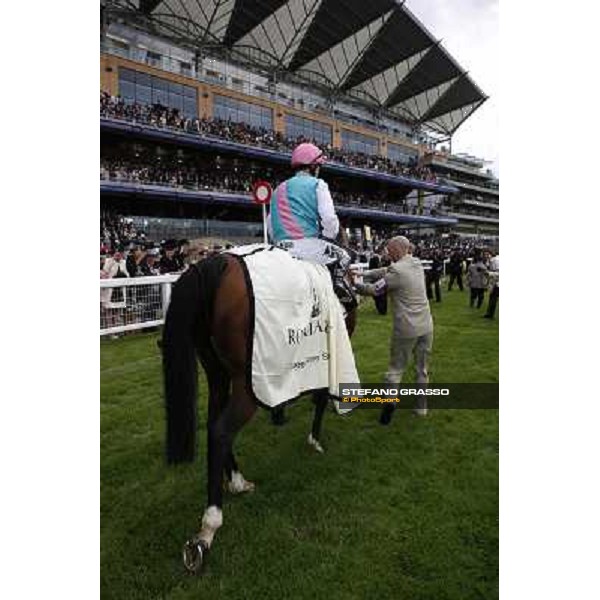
(203, 97)
(476, 205)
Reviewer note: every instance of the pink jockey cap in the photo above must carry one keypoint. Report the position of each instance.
(307, 154)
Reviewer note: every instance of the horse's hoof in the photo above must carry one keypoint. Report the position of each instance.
(315, 444)
(194, 555)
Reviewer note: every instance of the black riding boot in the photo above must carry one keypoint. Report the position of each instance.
(341, 288)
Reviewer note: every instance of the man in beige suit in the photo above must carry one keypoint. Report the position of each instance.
(404, 281)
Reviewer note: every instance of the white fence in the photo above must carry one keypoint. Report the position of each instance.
(129, 304)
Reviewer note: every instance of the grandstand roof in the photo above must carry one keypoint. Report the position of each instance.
(375, 51)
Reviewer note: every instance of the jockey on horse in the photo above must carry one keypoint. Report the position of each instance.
(303, 221)
(211, 316)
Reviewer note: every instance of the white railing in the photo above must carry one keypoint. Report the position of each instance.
(134, 303)
(129, 304)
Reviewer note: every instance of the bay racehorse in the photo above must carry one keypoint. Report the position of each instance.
(209, 318)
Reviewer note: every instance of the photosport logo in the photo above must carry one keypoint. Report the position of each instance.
(436, 395)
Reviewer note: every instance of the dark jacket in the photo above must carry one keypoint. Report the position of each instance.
(455, 265)
(169, 265)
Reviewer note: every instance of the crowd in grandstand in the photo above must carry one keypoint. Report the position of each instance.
(243, 133)
(171, 171)
(119, 233)
(447, 244)
(187, 176)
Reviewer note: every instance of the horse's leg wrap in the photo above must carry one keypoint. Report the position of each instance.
(211, 521)
(312, 441)
(238, 485)
(320, 400)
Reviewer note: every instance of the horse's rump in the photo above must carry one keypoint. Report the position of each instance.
(297, 340)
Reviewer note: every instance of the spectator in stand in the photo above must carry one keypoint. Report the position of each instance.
(477, 280)
(494, 271)
(150, 265)
(169, 263)
(135, 259)
(115, 266)
(455, 269)
(181, 256)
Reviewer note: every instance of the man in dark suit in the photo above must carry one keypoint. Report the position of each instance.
(455, 269)
(433, 276)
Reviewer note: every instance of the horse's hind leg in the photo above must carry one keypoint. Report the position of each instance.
(221, 432)
(320, 400)
(219, 383)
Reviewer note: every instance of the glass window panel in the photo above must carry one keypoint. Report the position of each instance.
(357, 142)
(190, 108)
(176, 101)
(189, 92)
(127, 90)
(175, 88)
(160, 97)
(218, 101)
(143, 94)
(126, 75)
(160, 84)
(143, 79)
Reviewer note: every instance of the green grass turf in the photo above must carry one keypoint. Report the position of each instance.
(408, 511)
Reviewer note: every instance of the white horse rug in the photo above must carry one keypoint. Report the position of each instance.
(300, 342)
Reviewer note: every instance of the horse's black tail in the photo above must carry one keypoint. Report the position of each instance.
(186, 329)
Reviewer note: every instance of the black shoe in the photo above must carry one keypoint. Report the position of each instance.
(488, 317)
(386, 415)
